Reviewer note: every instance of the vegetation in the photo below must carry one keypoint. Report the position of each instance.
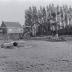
(49, 20)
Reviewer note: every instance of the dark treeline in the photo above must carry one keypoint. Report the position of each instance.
(50, 19)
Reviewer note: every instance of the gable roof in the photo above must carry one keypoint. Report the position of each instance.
(12, 24)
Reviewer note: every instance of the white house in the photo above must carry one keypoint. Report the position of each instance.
(12, 29)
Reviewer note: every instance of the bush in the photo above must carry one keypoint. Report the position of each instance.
(65, 31)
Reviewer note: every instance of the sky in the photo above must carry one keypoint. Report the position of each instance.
(13, 10)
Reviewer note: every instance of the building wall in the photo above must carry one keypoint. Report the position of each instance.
(15, 30)
(13, 33)
(13, 36)
(1, 36)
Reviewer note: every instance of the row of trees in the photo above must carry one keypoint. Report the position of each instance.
(47, 17)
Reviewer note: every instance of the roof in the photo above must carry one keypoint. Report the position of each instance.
(13, 24)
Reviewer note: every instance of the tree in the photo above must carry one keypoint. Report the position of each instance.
(42, 19)
(34, 15)
(28, 17)
(4, 28)
(48, 18)
(66, 19)
(61, 15)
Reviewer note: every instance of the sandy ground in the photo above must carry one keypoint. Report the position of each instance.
(37, 56)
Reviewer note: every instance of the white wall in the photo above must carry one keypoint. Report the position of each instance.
(15, 30)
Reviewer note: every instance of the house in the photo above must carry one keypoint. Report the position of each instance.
(11, 30)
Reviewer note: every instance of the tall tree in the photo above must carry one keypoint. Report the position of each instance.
(34, 15)
(43, 18)
(28, 17)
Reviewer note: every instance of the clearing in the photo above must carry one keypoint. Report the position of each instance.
(37, 56)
